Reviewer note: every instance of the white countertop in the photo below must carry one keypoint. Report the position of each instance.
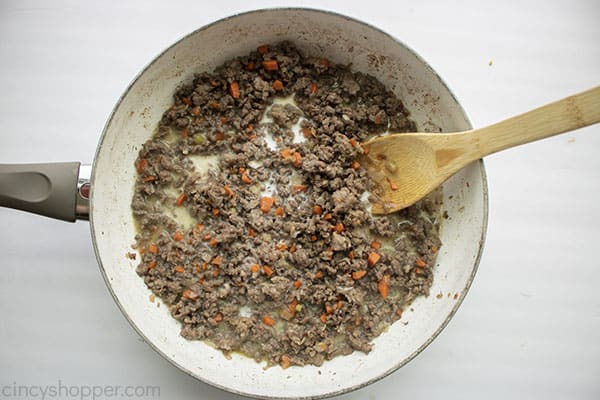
(530, 325)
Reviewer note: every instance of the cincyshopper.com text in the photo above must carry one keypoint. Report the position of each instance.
(60, 390)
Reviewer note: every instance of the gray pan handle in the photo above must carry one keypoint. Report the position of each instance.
(55, 190)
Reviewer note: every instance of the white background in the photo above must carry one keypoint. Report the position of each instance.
(529, 328)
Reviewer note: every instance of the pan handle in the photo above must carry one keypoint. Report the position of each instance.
(55, 190)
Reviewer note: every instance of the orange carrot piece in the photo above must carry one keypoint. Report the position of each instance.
(313, 88)
(190, 294)
(393, 184)
(323, 318)
(277, 85)
(353, 142)
(153, 249)
(297, 159)
(317, 210)
(220, 136)
(339, 227)
(149, 179)
(297, 284)
(218, 260)
(218, 317)
(319, 274)
(266, 203)
(267, 270)
(215, 212)
(293, 248)
(179, 268)
(299, 188)
(373, 258)
(356, 165)
(180, 199)
(178, 236)
(234, 90)
(142, 165)
(285, 362)
(228, 191)
(213, 242)
(376, 245)
(420, 263)
(324, 62)
(384, 286)
(270, 65)
(186, 100)
(286, 153)
(351, 254)
(263, 48)
(250, 66)
(279, 211)
(196, 111)
(267, 320)
(328, 309)
(281, 246)
(328, 216)
(152, 264)
(251, 232)
(254, 268)
(185, 133)
(246, 179)
(356, 275)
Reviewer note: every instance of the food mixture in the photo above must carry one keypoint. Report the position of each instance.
(253, 212)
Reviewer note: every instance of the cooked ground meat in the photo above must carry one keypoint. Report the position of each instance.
(272, 252)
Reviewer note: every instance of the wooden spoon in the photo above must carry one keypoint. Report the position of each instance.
(405, 167)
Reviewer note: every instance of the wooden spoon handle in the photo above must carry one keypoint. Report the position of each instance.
(565, 115)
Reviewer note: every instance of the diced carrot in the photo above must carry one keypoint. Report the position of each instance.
(299, 188)
(339, 227)
(293, 248)
(434, 249)
(185, 133)
(285, 362)
(376, 245)
(373, 258)
(218, 317)
(267, 270)
(356, 275)
(313, 88)
(352, 142)
(266, 203)
(153, 249)
(204, 266)
(356, 165)
(142, 165)
(384, 286)
(215, 83)
(420, 263)
(279, 211)
(180, 199)
(223, 120)
(218, 260)
(281, 246)
(317, 210)
(149, 178)
(214, 105)
(254, 268)
(292, 307)
(263, 48)
(277, 85)
(324, 62)
(250, 66)
(179, 268)
(270, 65)
(228, 191)
(393, 184)
(186, 100)
(323, 318)
(297, 159)
(220, 136)
(307, 132)
(328, 309)
(216, 272)
(252, 136)
(152, 264)
(234, 90)
(267, 320)
(213, 242)
(399, 312)
(215, 212)
(178, 236)
(190, 294)
(251, 232)
(207, 236)
(351, 254)
(313, 238)
(297, 284)
(339, 304)
(199, 227)
(246, 179)
(286, 153)
(328, 216)
(196, 111)
(365, 150)
(319, 274)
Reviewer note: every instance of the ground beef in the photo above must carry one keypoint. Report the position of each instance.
(273, 251)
